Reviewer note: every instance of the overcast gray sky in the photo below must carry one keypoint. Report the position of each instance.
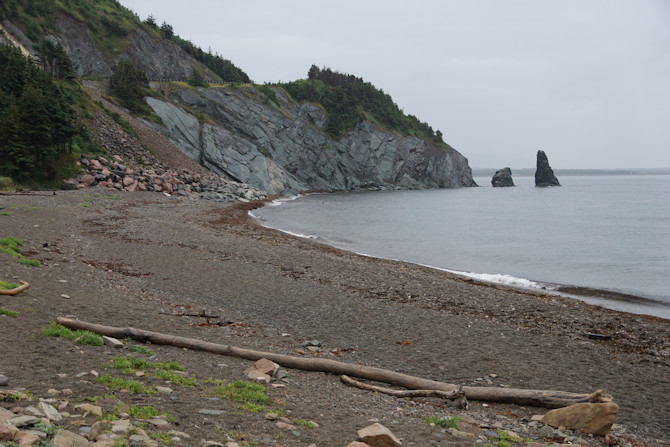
(587, 81)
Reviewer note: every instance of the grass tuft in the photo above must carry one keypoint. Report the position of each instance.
(133, 386)
(241, 391)
(7, 312)
(444, 421)
(79, 336)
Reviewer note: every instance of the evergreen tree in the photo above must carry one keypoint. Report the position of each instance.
(129, 85)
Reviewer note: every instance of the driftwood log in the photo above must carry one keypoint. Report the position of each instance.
(536, 398)
(24, 285)
(457, 395)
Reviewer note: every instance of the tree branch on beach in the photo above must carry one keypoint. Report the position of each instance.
(537, 398)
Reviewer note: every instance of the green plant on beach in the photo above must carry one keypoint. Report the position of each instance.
(176, 378)
(79, 336)
(8, 285)
(241, 391)
(12, 246)
(133, 386)
(444, 421)
(304, 423)
(7, 312)
(141, 349)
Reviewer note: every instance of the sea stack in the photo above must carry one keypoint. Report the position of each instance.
(502, 178)
(544, 175)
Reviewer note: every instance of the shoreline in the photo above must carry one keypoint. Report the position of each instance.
(143, 260)
(608, 299)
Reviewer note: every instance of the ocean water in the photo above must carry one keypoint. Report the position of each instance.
(603, 239)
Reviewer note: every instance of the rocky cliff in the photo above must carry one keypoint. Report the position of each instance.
(282, 147)
(279, 146)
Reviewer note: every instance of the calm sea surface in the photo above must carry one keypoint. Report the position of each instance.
(601, 235)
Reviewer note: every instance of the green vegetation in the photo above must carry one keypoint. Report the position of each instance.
(7, 312)
(79, 336)
(444, 421)
(8, 285)
(130, 85)
(141, 349)
(38, 123)
(6, 184)
(12, 247)
(241, 391)
(348, 100)
(164, 370)
(223, 68)
(304, 423)
(176, 378)
(133, 386)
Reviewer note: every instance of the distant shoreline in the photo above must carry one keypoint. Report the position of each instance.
(488, 172)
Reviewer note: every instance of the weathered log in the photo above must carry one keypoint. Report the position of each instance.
(537, 398)
(457, 395)
(24, 285)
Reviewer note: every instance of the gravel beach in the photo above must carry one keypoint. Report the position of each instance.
(146, 260)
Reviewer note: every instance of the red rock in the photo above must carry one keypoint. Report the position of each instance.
(611, 440)
(131, 188)
(87, 180)
(589, 417)
(117, 158)
(128, 180)
(357, 444)
(103, 160)
(5, 433)
(376, 435)
(142, 186)
(105, 171)
(167, 188)
(95, 165)
(266, 366)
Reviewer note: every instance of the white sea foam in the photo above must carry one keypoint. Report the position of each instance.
(507, 280)
(304, 236)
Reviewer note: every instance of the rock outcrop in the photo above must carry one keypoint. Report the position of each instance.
(502, 178)
(544, 175)
(284, 148)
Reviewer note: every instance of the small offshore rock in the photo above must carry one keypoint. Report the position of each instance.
(502, 178)
(544, 175)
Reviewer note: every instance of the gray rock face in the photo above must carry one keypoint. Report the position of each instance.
(286, 150)
(78, 42)
(159, 59)
(502, 178)
(544, 175)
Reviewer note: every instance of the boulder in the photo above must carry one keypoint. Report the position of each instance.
(589, 417)
(376, 435)
(69, 184)
(66, 438)
(544, 175)
(502, 178)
